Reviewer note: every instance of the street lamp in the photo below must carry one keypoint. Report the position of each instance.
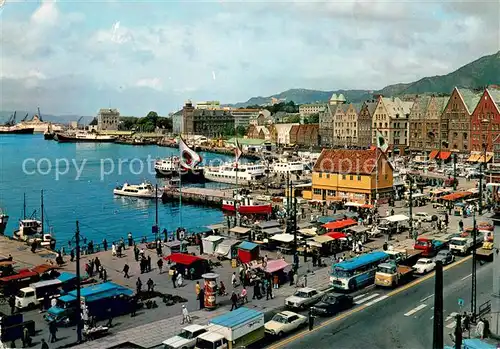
(473, 304)
(484, 122)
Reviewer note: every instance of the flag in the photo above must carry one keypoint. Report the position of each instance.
(237, 151)
(189, 159)
(381, 142)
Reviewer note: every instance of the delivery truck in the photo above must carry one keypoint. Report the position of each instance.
(234, 329)
(391, 274)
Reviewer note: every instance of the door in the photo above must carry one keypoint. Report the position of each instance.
(323, 197)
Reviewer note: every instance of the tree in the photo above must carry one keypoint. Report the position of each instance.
(152, 118)
(293, 119)
(241, 131)
(312, 119)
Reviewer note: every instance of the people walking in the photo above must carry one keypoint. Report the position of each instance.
(44, 344)
(138, 285)
(52, 331)
(234, 280)
(185, 315)
(243, 295)
(201, 298)
(26, 338)
(160, 265)
(149, 263)
(126, 268)
(197, 289)
(130, 239)
(151, 285)
(174, 277)
(234, 301)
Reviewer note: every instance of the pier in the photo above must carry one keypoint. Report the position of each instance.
(200, 196)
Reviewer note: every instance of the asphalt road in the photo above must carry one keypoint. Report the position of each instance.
(402, 318)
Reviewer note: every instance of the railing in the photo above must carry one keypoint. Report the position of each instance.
(484, 308)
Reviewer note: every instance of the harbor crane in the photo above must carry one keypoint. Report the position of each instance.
(12, 120)
(39, 115)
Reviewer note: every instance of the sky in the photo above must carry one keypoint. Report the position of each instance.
(75, 57)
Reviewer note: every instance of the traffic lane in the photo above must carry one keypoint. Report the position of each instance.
(364, 323)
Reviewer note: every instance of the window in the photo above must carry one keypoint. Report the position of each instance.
(385, 177)
(351, 178)
(343, 176)
(320, 175)
(359, 177)
(317, 191)
(328, 176)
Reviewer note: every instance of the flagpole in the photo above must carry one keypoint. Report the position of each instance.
(180, 190)
(236, 182)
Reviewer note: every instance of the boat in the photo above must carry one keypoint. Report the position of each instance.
(38, 124)
(49, 134)
(83, 137)
(144, 191)
(16, 130)
(246, 174)
(169, 167)
(285, 166)
(245, 206)
(4, 218)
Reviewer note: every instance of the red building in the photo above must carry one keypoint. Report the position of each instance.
(485, 122)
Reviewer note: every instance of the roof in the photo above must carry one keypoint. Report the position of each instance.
(274, 265)
(287, 313)
(106, 289)
(397, 218)
(246, 245)
(348, 161)
(470, 98)
(272, 230)
(46, 283)
(43, 268)
(194, 328)
(495, 95)
(236, 317)
(360, 261)
(441, 103)
(213, 238)
(240, 230)
(183, 258)
(22, 275)
(336, 235)
(283, 237)
(67, 298)
(322, 239)
(420, 106)
(211, 336)
(268, 224)
(65, 276)
(395, 105)
(340, 224)
(306, 289)
(371, 107)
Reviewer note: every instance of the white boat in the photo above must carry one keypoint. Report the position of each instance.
(38, 125)
(167, 167)
(28, 229)
(226, 173)
(83, 136)
(143, 190)
(286, 166)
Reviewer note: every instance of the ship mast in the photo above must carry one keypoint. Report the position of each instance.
(41, 207)
(24, 206)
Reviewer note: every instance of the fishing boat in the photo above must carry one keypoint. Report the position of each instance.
(49, 134)
(246, 205)
(83, 137)
(144, 191)
(172, 167)
(243, 174)
(4, 218)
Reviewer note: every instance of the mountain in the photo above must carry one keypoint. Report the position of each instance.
(477, 74)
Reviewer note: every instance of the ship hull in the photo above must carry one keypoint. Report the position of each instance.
(196, 176)
(18, 131)
(69, 139)
(246, 210)
(48, 136)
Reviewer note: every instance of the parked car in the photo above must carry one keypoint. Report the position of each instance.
(424, 265)
(331, 304)
(303, 297)
(422, 216)
(284, 322)
(186, 339)
(445, 256)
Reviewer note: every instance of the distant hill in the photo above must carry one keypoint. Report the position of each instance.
(477, 74)
(63, 119)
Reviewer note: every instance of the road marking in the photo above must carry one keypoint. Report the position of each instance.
(360, 296)
(376, 301)
(451, 316)
(361, 301)
(342, 316)
(414, 310)
(466, 277)
(426, 298)
(451, 325)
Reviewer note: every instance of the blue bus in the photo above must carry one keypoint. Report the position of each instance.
(357, 272)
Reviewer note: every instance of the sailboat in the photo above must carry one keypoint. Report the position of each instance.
(31, 230)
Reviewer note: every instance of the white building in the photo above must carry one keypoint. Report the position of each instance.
(283, 132)
(243, 117)
(310, 109)
(108, 119)
(208, 105)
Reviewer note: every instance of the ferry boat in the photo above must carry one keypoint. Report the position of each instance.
(169, 167)
(4, 218)
(16, 130)
(144, 191)
(226, 173)
(83, 137)
(245, 206)
(284, 166)
(38, 125)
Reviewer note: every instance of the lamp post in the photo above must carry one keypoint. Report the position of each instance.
(473, 304)
(484, 122)
(410, 205)
(454, 171)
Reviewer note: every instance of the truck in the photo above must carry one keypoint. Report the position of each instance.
(390, 274)
(31, 296)
(406, 257)
(463, 245)
(100, 300)
(10, 285)
(485, 252)
(430, 246)
(235, 329)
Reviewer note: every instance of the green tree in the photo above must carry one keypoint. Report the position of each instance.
(312, 119)
(293, 119)
(152, 118)
(241, 131)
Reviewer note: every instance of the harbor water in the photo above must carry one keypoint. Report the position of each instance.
(78, 182)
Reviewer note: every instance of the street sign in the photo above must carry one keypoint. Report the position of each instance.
(461, 302)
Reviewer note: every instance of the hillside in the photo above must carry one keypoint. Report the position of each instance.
(477, 74)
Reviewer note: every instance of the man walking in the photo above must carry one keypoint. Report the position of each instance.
(160, 264)
(138, 285)
(126, 268)
(185, 315)
(53, 331)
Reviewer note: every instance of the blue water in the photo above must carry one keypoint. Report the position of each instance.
(86, 194)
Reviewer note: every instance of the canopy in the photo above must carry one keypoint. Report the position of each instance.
(308, 231)
(474, 157)
(274, 265)
(183, 258)
(433, 154)
(246, 245)
(216, 226)
(322, 239)
(240, 230)
(340, 224)
(283, 237)
(351, 214)
(358, 229)
(273, 230)
(353, 204)
(397, 218)
(224, 248)
(332, 218)
(336, 235)
(268, 224)
(210, 243)
(304, 225)
(444, 155)
(456, 196)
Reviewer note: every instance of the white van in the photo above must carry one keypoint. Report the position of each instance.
(31, 296)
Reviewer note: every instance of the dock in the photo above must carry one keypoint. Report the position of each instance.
(198, 196)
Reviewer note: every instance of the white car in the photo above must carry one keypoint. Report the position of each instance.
(422, 216)
(303, 297)
(424, 265)
(284, 322)
(186, 339)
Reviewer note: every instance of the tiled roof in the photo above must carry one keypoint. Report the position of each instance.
(295, 129)
(422, 103)
(441, 103)
(470, 97)
(395, 106)
(357, 107)
(336, 107)
(371, 107)
(347, 161)
(495, 95)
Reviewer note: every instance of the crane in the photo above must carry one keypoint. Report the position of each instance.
(12, 120)
(39, 115)
(24, 119)
(78, 122)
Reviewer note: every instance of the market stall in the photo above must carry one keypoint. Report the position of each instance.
(332, 218)
(323, 243)
(309, 232)
(248, 251)
(239, 231)
(339, 225)
(210, 243)
(359, 231)
(283, 242)
(216, 228)
(227, 249)
(278, 269)
(196, 266)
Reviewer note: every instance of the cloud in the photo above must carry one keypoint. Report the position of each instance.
(154, 83)
(47, 13)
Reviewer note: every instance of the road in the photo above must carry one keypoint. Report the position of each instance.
(402, 318)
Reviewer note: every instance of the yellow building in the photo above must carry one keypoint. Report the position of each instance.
(355, 175)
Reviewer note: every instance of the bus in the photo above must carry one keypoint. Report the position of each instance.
(357, 272)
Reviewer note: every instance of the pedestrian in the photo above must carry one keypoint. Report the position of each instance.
(234, 301)
(197, 289)
(136, 253)
(201, 298)
(269, 291)
(179, 280)
(306, 252)
(72, 255)
(133, 305)
(13, 344)
(105, 244)
(110, 318)
(185, 315)
(314, 258)
(104, 275)
(311, 319)
(12, 304)
(243, 295)
(480, 328)
(151, 285)
(126, 268)
(26, 338)
(130, 240)
(53, 331)
(149, 263)
(160, 264)
(101, 269)
(466, 323)
(113, 249)
(233, 279)
(138, 285)
(44, 344)
(290, 276)
(97, 263)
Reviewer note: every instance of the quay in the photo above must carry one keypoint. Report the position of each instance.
(199, 196)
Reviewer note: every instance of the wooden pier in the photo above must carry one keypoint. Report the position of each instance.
(198, 196)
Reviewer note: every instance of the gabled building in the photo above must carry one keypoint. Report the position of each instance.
(434, 135)
(280, 133)
(258, 132)
(417, 123)
(365, 117)
(485, 125)
(356, 175)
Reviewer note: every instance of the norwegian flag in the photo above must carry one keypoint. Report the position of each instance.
(237, 151)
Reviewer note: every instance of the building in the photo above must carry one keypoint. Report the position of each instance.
(258, 132)
(206, 122)
(280, 133)
(485, 124)
(337, 99)
(108, 119)
(310, 109)
(242, 117)
(350, 127)
(455, 120)
(264, 118)
(307, 135)
(356, 175)
(333, 114)
(208, 105)
(365, 123)
(417, 123)
(178, 122)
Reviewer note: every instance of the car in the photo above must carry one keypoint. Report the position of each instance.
(422, 216)
(284, 322)
(424, 265)
(186, 339)
(303, 297)
(331, 304)
(485, 226)
(445, 256)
